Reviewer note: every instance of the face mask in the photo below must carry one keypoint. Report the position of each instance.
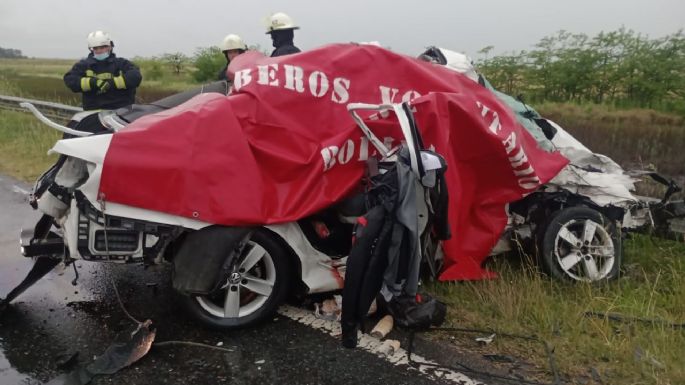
(101, 56)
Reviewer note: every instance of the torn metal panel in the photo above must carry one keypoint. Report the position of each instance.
(129, 347)
(594, 176)
(319, 271)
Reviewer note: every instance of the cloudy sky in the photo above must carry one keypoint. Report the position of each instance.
(48, 28)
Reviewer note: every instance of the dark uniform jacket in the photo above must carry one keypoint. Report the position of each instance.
(283, 42)
(286, 49)
(222, 74)
(122, 75)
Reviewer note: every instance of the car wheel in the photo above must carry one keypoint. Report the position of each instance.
(581, 244)
(257, 286)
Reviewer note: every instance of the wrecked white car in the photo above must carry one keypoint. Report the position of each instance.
(575, 223)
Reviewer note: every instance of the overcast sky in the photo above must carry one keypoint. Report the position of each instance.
(57, 29)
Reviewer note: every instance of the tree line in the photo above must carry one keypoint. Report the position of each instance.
(621, 68)
(204, 65)
(10, 53)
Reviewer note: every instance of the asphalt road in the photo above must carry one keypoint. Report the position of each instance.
(54, 320)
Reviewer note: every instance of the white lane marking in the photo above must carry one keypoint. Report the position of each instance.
(20, 190)
(373, 345)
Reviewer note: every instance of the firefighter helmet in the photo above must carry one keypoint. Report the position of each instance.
(279, 21)
(98, 39)
(231, 42)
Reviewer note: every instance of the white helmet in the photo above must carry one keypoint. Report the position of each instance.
(278, 21)
(98, 38)
(233, 42)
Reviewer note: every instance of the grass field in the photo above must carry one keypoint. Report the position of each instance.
(522, 300)
(633, 138)
(42, 79)
(24, 143)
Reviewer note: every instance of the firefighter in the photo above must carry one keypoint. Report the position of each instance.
(231, 46)
(280, 26)
(104, 80)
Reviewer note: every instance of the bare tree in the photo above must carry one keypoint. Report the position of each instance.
(177, 61)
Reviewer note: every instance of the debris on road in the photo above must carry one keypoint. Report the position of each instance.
(329, 309)
(129, 347)
(66, 361)
(501, 358)
(486, 340)
(383, 327)
(389, 347)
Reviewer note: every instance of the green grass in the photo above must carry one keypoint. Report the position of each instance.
(42, 79)
(37, 67)
(526, 302)
(638, 137)
(24, 143)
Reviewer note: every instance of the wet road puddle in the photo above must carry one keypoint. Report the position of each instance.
(8, 375)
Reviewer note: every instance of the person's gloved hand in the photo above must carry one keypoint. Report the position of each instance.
(100, 86)
(103, 85)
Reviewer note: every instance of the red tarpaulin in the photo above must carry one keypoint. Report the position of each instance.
(283, 146)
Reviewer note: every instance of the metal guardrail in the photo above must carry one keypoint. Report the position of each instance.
(51, 110)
